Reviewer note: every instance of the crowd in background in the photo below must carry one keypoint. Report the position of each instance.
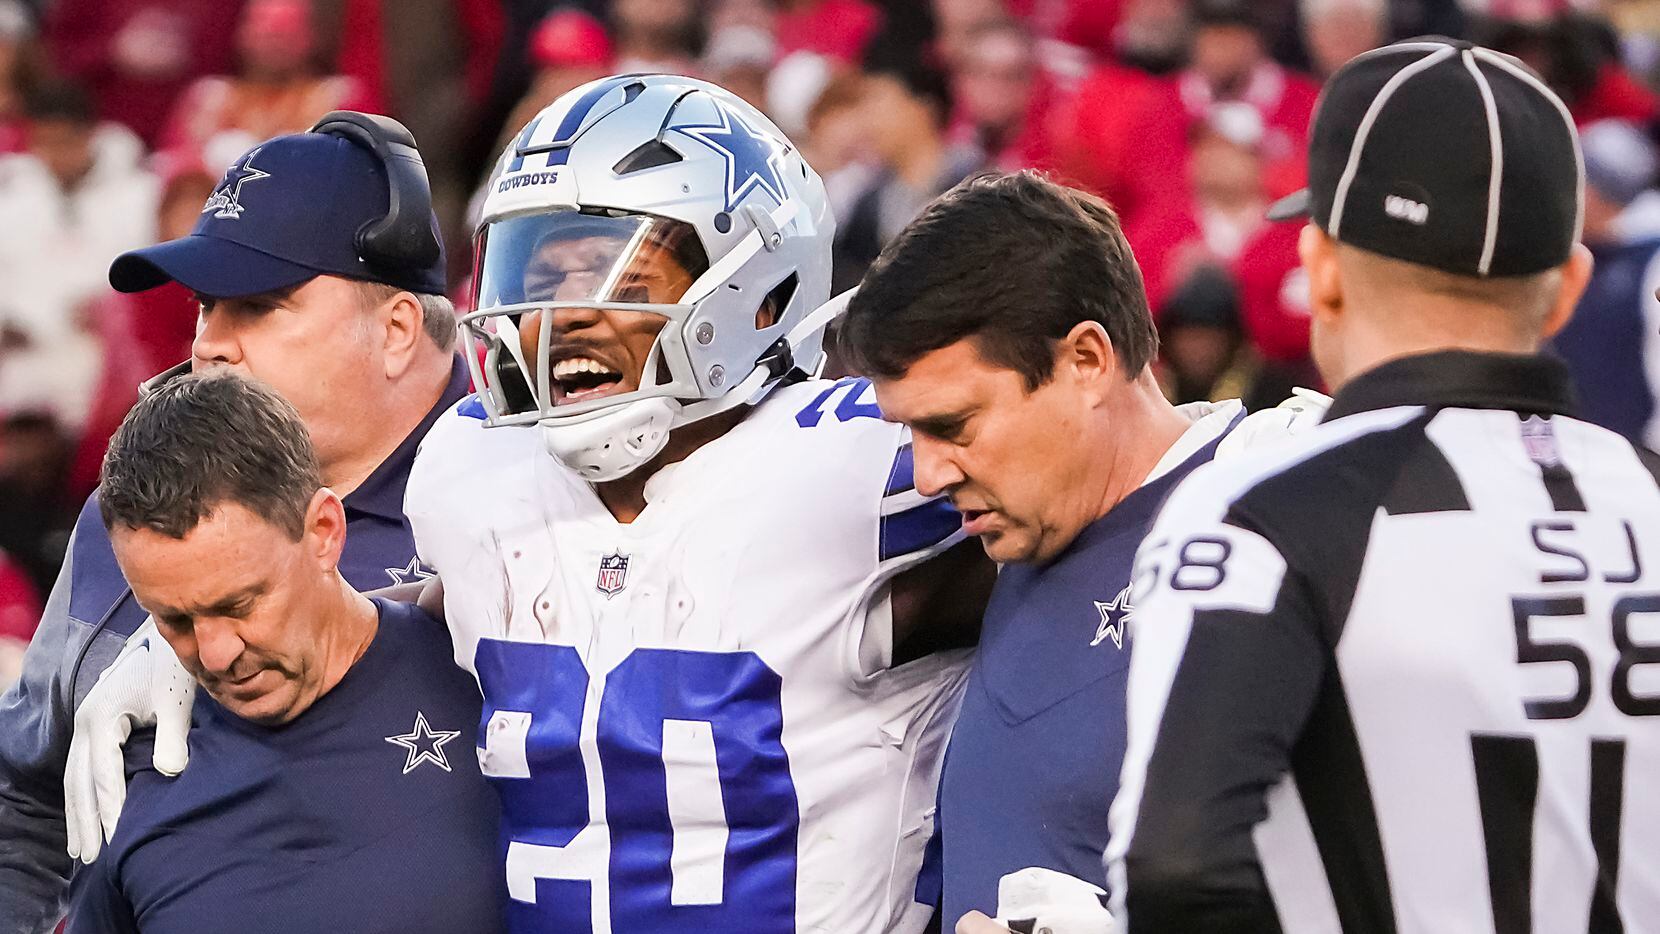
(117, 117)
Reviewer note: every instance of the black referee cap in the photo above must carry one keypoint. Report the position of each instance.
(1445, 154)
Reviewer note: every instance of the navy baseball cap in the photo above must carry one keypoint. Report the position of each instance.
(286, 211)
(1445, 154)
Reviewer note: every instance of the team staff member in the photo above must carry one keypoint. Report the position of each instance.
(353, 331)
(1399, 675)
(321, 797)
(1019, 355)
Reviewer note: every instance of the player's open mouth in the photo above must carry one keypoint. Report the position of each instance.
(578, 379)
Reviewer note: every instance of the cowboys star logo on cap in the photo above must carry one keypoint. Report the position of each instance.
(226, 200)
(751, 155)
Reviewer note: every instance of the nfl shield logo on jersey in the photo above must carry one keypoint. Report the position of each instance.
(613, 574)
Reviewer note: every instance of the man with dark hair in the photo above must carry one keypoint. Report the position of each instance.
(360, 343)
(1007, 327)
(906, 106)
(1398, 674)
(321, 798)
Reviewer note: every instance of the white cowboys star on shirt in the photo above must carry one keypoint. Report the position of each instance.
(1115, 616)
(424, 744)
(409, 573)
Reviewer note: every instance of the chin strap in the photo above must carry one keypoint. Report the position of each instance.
(773, 365)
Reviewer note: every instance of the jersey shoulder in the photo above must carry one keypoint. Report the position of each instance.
(1258, 474)
(848, 468)
(467, 479)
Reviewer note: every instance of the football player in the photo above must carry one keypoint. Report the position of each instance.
(711, 617)
(711, 702)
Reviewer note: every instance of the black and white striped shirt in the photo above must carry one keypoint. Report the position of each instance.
(1402, 673)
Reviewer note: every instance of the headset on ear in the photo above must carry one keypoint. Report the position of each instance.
(403, 238)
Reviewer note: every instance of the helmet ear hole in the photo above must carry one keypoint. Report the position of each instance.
(773, 306)
(648, 155)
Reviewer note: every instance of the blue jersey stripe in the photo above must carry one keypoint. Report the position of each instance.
(918, 528)
(471, 407)
(903, 475)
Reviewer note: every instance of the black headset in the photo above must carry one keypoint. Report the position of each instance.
(403, 238)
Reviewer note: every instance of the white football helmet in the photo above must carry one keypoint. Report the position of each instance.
(659, 195)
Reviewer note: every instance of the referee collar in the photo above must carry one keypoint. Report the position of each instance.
(1461, 379)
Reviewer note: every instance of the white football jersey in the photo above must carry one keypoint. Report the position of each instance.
(691, 718)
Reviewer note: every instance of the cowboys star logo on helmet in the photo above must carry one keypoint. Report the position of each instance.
(668, 198)
(751, 156)
(226, 200)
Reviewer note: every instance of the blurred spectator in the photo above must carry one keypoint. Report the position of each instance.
(1004, 101)
(35, 517)
(1229, 62)
(1153, 36)
(1273, 306)
(794, 86)
(1201, 342)
(738, 58)
(903, 109)
(1225, 169)
(657, 36)
(277, 88)
(1123, 135)
(137, 56)
(429, 63)
(1335, 31)
(1225, 206)
(20, 69)
(835, 143)
(839, 29)
(1222, 230)
(1612, 343)
(19, 614)
(1577, 55)
(74, 201)
(142, 333)
(958, 22)
(163, 319)
(569, 49)
(1091, 27)
(758, 14)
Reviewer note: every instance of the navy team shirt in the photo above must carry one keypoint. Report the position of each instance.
(1034, 758)
(365, 814)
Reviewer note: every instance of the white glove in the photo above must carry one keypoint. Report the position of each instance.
(1043, 901)
(1295, 415)
(144, 686)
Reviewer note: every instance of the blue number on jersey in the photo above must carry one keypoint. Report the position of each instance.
(737, 694)
(551, 808)
(853, 391)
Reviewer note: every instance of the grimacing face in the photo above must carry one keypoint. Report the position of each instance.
(236, 598)
(1007, 457)
(597, 352)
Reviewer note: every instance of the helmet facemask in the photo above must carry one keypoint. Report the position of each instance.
(582, 312)
(632, 235)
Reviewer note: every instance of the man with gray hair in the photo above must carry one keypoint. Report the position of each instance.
(321, 798)
(319, 273)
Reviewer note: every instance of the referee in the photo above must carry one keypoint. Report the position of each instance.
(1403, 673)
